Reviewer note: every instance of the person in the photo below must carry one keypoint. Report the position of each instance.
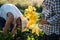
(51, 19)
(12, 15)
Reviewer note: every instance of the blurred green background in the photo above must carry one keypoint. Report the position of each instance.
(23, 4)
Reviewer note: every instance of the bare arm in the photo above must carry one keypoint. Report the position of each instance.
(8, 23)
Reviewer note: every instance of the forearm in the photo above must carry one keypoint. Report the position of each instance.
(14, 29)
(7, 25)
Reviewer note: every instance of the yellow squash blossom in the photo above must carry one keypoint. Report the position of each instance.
(31, 22)
(36, 29)
(32, 16)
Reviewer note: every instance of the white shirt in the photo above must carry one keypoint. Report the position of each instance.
(14, 10)
(10, 8)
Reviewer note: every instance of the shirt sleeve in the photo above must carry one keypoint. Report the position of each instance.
(54, 18)
(56, 9)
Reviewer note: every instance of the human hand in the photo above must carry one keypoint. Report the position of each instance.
(43, 21)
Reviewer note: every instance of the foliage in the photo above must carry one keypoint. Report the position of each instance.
(33, 32)
(33, 19)
(9, 36)
(27, 35)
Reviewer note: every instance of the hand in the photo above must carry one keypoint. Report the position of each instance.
(44, 22)
(14, 30)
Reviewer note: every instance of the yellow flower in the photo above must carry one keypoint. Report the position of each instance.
(31, 22)
(32, 26)
(32, 16)
(36, 30)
